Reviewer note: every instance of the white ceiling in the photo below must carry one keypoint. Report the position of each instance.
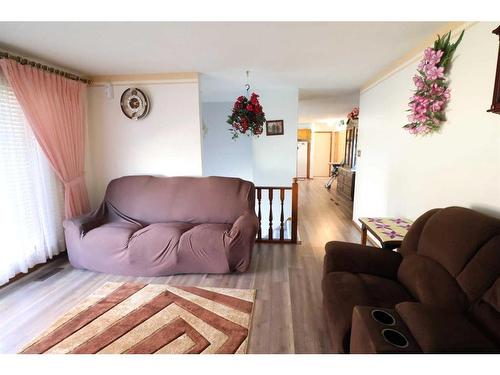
(327, 109)
(320, 58)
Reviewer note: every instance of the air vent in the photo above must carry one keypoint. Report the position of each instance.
(48, 274)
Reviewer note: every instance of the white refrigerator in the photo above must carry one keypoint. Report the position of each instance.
(302, 159)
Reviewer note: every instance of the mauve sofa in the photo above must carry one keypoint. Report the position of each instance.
(157, 226)
(442, 288)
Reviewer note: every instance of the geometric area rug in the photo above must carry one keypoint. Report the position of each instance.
(134, 318)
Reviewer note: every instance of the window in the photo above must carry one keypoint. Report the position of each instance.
(31, 197)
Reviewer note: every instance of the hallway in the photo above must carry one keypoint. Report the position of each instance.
(288, 316)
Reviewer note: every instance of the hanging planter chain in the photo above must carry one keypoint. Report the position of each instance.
(247, 86)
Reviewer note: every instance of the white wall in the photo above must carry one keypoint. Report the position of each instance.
(166, 142)
(275, 157)
(327, 109)
(264, 160)
(223, 156)
(399, 174)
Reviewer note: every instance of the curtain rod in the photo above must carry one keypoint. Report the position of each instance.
(24, 61)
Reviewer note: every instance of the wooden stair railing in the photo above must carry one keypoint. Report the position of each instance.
(295, 206)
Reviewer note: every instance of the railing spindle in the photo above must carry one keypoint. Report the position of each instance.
(259, 197)
(295, 209)
(294, 196)
(270, 213)
(282, 217)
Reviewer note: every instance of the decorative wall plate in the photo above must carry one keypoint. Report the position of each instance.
(134, 103)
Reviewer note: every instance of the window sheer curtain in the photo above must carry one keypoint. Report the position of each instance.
(31, 196)
(53, 106)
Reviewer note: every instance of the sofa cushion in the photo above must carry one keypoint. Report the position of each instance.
(344, 290)
(481, 271)
(356, 258)
(466, 232)
(160, 248)
(199, 249)
(106, 245)
(194, 200)
(156, 246)
(111, 237)
(412, 238)
(430, 283)
(486, 312)
(441, 331)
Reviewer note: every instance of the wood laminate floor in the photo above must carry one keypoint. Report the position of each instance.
(288, 317)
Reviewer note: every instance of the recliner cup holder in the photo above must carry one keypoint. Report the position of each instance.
(383, 317)
(395, 338)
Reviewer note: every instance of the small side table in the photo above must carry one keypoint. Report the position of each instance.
(389, 231)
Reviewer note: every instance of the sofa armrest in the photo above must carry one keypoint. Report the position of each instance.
(246, 225)
(239, 241)
(85, 223)
(370, 336)
(354, 258)
(438, 330)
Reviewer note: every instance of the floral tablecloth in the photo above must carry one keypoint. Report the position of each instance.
(387, 229)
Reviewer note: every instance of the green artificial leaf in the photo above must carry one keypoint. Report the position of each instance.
(447, 39)
(455, 45)
(437, 43)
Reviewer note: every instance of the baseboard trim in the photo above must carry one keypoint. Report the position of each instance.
(36, 267)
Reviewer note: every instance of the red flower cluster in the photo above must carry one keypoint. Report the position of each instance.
(247, 116)
(354, 114)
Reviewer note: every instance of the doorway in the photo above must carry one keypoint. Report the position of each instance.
(322, 153)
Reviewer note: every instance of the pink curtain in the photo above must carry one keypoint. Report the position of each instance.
(54, 108)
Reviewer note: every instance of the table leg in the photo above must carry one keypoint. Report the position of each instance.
(363, 234)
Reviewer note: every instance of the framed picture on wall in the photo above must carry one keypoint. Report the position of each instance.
(274, 127)
(495, 104)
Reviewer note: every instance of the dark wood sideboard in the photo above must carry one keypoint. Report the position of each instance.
(345, 182)
(347, 173)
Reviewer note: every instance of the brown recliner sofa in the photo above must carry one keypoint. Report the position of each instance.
(440, 293)
(157, 226)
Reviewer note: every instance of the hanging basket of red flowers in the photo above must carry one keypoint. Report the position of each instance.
(247, 117)
(353, 115)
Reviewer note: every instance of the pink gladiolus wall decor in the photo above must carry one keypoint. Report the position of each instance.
(428, 104)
